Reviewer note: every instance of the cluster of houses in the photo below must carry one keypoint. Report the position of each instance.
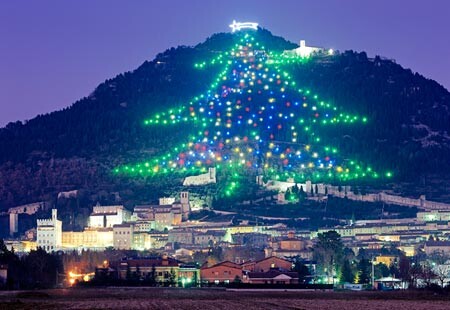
(167, 270)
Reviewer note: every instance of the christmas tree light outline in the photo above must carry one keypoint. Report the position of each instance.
(169, 164)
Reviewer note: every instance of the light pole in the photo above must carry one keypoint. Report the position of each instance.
(373, 273)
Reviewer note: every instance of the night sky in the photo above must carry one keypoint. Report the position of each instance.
(55, 52)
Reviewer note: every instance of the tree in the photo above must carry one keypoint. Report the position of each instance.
(404, 267)
(427, 273)
(301, 269)
(220, 101)
(128, 275)
(42, 267)
(381, 271)
(364, 271)
(150, 278)
(347, 275)
(172, 277)
(442, 273)
(328, 252)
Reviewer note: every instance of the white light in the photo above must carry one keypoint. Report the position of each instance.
(235, 26)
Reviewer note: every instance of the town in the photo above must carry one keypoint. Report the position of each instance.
(167, 244)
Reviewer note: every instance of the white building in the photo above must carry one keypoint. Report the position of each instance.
(305, 51)
(29, 209)
(108, 216)
(123, 236)
(49, 233)
(202, 179)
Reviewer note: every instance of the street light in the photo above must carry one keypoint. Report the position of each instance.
(373, 272)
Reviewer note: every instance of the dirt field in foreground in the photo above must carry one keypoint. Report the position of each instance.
(166, 298)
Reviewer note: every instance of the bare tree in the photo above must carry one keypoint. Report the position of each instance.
(442, 272)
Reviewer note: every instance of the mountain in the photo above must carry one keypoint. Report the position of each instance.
(407, 130)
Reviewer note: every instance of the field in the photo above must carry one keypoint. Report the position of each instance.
(160, 298)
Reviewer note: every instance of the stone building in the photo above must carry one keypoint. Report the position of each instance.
(49, 233)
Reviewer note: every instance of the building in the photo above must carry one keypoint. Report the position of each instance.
(306, 51)
(188, 275)
(254, 240)
(108, 216)
(95, 239)
(149, 240)
(432, 247)
(20, 246)
(29, 209)
(165, 269)
(288, 247)
(209, 238)
(434, 216)
(181, 236)
(388, 260)
(166, 217)
(202, 179)
(271, 277)
(268, 264)
(184, 205)
(123, 236)
(49, 233)
(221, 274)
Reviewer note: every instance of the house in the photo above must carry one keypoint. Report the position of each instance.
(268, 264)
(388, 260)
(442, 247)
(271, 277)
(165, 268)
(221, 273)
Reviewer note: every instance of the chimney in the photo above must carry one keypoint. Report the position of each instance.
(165, 260)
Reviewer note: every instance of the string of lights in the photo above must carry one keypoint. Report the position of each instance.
(254, 116)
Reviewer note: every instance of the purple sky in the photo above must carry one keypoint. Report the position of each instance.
(55, 52)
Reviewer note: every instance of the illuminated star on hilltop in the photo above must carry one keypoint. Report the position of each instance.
(236, 26)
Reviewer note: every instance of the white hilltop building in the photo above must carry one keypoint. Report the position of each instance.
(305, 51)
(202, 179)
(49, 233)
(108, 216)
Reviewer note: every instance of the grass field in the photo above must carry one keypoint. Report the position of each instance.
(167, 298)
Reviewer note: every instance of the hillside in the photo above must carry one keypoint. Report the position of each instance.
(77, 148)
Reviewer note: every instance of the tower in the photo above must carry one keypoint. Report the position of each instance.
(13, 223)
(185, 205)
